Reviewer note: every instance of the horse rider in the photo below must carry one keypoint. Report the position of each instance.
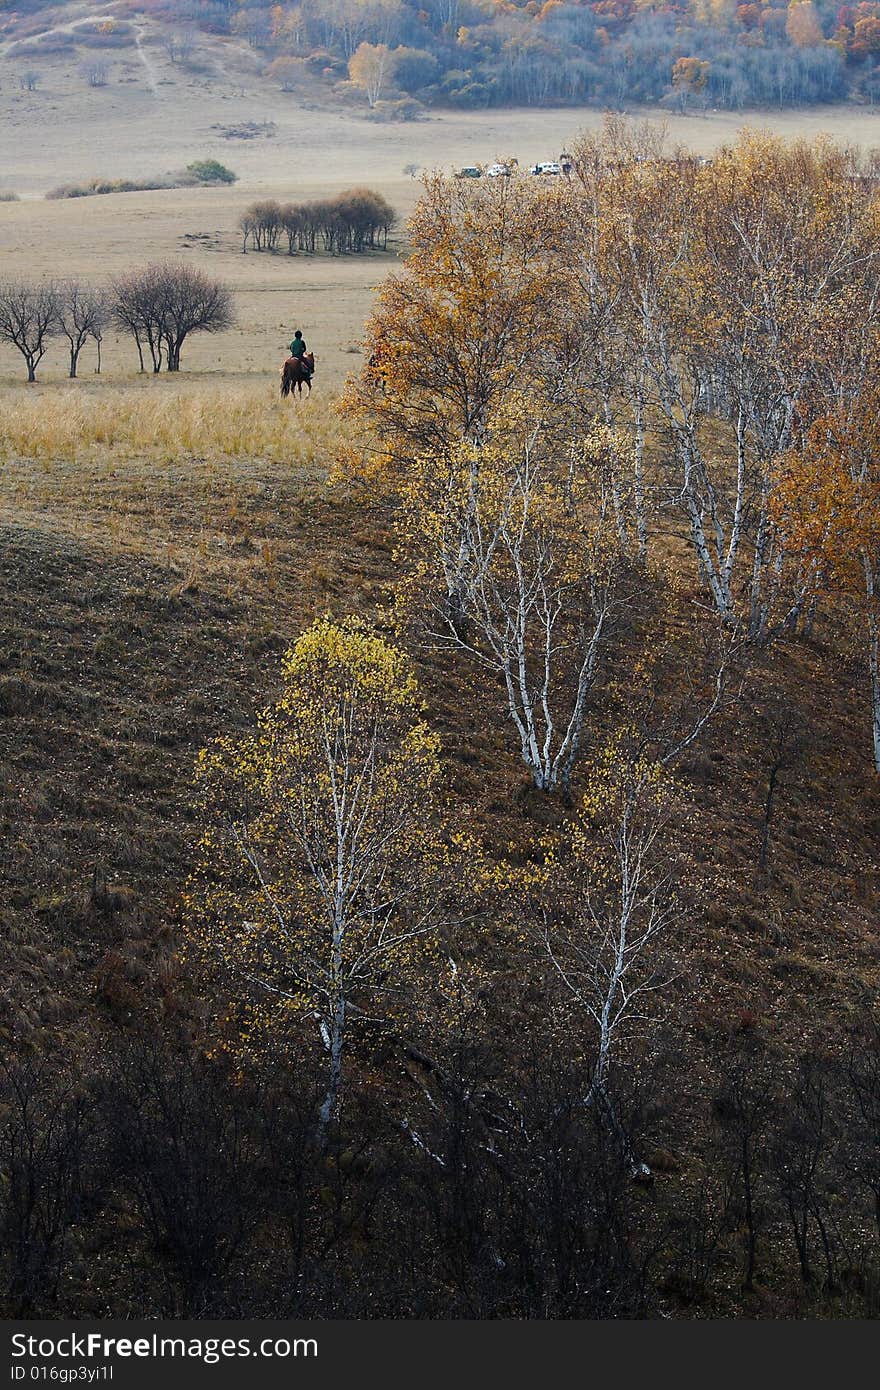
(298, 350)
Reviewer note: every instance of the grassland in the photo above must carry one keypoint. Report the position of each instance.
(156, 116)
(148, 591)
(162, 540)
(327, 296)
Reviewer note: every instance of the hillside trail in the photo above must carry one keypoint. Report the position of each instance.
(89, 17)
(149, 67)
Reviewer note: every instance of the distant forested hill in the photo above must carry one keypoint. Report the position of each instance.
(396, 55)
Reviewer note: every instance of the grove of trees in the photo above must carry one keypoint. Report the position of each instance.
(453, 1014)
(723, 306)
(353, 222)
(664, 361)
(397, 56)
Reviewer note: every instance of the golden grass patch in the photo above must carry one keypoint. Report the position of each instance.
(200, 420)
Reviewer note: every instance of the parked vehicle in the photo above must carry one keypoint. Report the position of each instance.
(498, 171)
(549, 167)
(470, 171)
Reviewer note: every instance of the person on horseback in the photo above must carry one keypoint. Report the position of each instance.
(299, 367)
(299, 351)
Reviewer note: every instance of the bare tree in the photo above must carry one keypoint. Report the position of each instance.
(45, 1134)
(799, 1157)
(162, 305)
(782, 736)
(28, 319)
(82, 314)
(743, 1111)
(863, 1132)
(247, 226)
(98, 336)
(136, 311)
(179, 45)
(192, 302)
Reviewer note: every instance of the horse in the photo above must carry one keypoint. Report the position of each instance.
(296, 372)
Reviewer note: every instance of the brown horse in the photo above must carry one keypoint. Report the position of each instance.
(296, 373)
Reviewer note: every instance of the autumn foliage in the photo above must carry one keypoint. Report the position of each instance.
(705, 313)
(318, 890)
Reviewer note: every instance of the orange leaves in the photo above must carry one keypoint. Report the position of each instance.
(460, 325)
(826, 496)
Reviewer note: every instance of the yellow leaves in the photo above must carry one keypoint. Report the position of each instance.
(317, 865)
(452, 333)
(346, 657)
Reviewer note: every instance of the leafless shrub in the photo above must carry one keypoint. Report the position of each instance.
(96, 72)
(180, 44)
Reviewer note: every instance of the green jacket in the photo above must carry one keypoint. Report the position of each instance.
(298, 347)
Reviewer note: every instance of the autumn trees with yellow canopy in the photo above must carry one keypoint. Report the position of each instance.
(704, 312)
(631, 408)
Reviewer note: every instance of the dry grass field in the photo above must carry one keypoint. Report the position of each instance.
(164, 539)
(195, 509)
(328, 297)
(155, 117)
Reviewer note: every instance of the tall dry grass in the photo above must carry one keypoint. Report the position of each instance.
(201, 420)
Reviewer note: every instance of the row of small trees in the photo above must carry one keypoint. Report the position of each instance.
(356, 221)
(32, 315)
(160, 306)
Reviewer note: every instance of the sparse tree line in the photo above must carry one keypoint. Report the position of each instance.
(352, 223)
(159, 306)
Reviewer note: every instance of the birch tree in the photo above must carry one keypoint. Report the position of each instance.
(521, 531)
(747, 292)
(606, 899)
(369, 67)
(787, 252)
(319, 888)
(610, 367)
(464, 322)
